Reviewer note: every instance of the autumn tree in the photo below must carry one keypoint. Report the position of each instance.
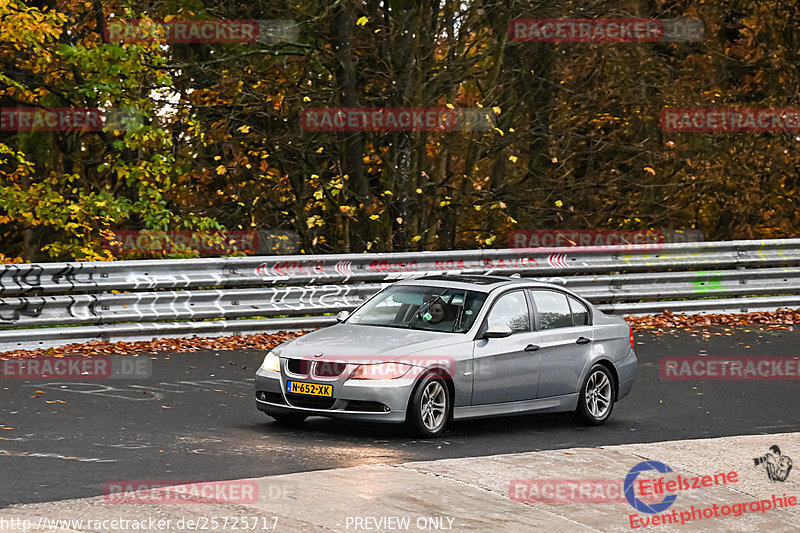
(213, 137)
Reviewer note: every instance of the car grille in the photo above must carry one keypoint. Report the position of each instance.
(329, 369)
(298, 366)
(310, 402)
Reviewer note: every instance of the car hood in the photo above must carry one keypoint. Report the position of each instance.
(355, 343)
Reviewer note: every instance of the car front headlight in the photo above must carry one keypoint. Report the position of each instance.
(271, 362)
(381, 371)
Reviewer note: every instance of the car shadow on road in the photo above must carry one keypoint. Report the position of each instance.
(489, 428)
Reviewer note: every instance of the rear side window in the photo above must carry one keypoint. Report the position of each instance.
(580, 313)
(553, 309)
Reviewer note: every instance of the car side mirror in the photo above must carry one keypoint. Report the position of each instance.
(497, 331)
(341, 316)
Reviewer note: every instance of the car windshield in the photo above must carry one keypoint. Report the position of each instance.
(425, 308)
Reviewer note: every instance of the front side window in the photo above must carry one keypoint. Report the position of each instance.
(425, 308)
(510, 310)
(553, 309)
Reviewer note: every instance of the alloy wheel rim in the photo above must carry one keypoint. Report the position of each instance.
(433, 406)
(598, 394)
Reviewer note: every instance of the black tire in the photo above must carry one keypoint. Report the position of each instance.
(288, 419)
(597, 395)
(429, 407)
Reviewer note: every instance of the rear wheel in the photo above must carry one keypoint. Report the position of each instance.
(597, 397)
(429, 407)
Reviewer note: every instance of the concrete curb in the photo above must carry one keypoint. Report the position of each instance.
(467, 494)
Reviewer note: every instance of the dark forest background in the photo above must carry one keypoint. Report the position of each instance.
(218, 143)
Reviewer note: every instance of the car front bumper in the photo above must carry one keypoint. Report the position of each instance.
(369, 400)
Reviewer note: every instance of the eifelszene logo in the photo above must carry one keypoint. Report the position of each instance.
(636, 503)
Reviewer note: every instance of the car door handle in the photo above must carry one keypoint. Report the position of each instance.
(531, 348)
(583, 340)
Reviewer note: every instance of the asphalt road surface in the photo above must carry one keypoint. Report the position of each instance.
(195, 419)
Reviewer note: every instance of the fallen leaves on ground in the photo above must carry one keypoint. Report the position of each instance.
(780, 317)
(257, 341)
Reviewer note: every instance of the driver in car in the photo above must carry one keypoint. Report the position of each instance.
(436, 317)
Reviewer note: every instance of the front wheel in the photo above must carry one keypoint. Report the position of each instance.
(597, 397)
(429, 408)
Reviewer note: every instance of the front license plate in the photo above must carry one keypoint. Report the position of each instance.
(312, 389)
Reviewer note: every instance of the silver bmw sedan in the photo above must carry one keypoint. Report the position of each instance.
(429, 350)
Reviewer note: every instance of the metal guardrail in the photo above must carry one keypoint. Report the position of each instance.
(127, 300)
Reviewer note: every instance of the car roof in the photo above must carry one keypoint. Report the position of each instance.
(487, 283)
